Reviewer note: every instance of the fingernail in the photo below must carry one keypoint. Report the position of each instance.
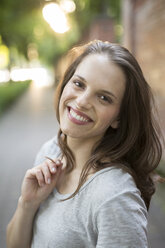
(49, 180)
(53, 169)
(58, 162)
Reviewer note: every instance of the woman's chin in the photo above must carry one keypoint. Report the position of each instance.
(70, 132)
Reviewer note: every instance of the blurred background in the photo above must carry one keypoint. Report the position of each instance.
(34, 38)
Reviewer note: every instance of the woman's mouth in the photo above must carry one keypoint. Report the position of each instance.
(77, 117)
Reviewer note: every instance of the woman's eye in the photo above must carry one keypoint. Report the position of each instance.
(106, 99)
(78, 84)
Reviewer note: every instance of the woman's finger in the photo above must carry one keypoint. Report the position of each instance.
(56, 176)
(53, 164)
(40, 177)
(46, 173)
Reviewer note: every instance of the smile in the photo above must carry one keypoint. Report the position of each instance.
(78, 118)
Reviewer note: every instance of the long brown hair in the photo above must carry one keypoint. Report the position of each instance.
(134, 145)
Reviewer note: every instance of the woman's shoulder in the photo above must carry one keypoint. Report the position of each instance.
(119, 212)
(115, 177)
(49, 148)
(115, 184)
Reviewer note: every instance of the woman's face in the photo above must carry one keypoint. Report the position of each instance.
(90, 101)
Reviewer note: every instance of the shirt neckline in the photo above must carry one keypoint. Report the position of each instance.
(64, 196)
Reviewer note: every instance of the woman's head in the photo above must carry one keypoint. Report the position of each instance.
(133, 140)
(136, 100)
(90, 102)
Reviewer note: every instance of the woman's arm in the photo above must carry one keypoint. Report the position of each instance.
(122, 222)
(38, 183)
(19, 230)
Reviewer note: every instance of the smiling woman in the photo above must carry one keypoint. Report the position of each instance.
(95, 96)
(95, 185)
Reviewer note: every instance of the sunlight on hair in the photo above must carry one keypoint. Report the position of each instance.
(56, 18)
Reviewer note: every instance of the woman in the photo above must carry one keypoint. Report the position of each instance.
(92, 186)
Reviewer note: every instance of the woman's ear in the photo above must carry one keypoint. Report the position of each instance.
(115, 123)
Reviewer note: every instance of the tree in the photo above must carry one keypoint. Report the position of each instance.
(22, 25)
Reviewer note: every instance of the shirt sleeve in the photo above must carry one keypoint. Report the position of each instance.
(50, 149)
(122, 222)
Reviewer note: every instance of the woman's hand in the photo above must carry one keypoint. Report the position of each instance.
(39, 182)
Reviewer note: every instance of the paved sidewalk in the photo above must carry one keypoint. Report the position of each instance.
(23, 129)
(156, 224)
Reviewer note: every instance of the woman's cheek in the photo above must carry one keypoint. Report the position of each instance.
(108, 117)
(68, 92)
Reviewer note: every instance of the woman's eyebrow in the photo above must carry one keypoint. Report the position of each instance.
(103, 91)
(83, 79)
(109, 93)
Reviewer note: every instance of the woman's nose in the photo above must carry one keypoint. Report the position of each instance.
(84, 101)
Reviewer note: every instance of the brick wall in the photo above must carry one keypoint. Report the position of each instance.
(144, 35)
(102, 28)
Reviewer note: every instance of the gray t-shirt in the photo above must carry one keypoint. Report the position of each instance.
(108, 212)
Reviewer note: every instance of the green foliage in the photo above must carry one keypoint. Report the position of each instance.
(22, 23)
(16, 22)
(87, 10)
(51, 45)
(9, 92)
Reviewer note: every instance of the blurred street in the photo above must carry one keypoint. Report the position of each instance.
(23, 129)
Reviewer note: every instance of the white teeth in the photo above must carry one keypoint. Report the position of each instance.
(77, 117)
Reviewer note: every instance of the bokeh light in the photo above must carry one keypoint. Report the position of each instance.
(40, 76)
(56, 18)
(4, 56)
(4, 76)
(68, 6)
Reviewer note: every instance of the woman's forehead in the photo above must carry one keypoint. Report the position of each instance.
(99, 66)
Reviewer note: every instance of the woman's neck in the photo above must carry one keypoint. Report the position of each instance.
(82, 149)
